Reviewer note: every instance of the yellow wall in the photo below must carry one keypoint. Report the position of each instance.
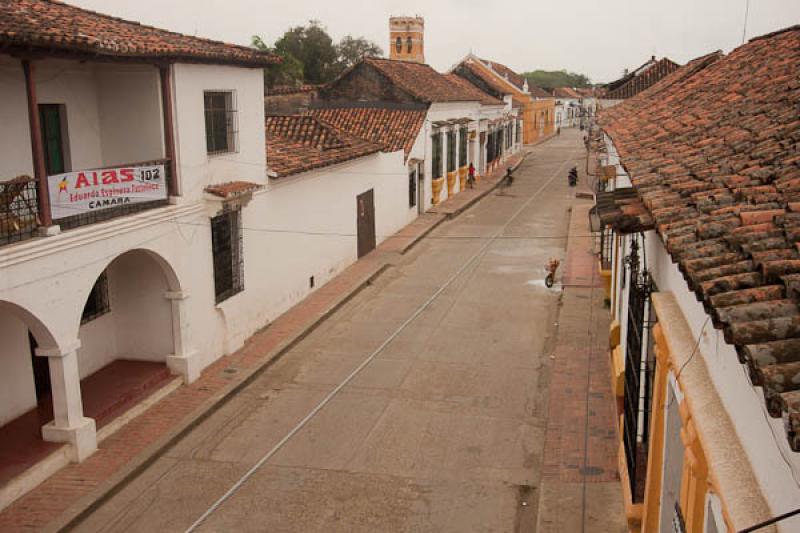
(696, 480)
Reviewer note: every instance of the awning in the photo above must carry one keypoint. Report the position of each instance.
(623, 210)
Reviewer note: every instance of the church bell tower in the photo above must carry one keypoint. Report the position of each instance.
(406, 39)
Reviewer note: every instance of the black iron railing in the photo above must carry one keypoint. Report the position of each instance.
(638, 375)
(19, 213)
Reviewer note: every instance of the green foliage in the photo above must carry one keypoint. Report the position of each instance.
(351, 49)
(309, 55)
(549, 79)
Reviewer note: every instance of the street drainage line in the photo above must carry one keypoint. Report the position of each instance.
(247, 475)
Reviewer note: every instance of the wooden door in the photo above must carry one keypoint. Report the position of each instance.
(365, 222)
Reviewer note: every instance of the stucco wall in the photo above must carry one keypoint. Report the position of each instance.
(17, 392)
(305, 225)
(197, 169)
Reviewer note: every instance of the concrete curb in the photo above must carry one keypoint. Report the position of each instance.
(79, 511)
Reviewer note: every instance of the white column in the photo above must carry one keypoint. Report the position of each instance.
(69, 424)
(183, 362)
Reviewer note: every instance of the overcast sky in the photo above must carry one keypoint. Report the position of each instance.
(599, 38)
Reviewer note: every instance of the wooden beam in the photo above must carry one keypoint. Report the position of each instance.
(37, 146)
(169, 129)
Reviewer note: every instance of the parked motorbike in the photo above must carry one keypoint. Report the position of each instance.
(573, 177)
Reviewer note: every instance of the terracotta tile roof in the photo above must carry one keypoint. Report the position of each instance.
(566, 92)
(395, 129)
(505, 72)
(280, 90)
(49, 25)
(493, 82)
(299, 143)
(467, 87)
(713, 151)
(641, 78)
(538, 92)
(232, 189)
(421, 81)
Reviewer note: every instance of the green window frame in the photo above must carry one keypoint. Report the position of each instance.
(462, 147)
(436, 155)
(451, 151)
(52, 126)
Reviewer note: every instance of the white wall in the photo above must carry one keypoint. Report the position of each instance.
(113, 113)
(305, 225)
(17, 391)
(762, 437)
(197, 169)
(131, 121)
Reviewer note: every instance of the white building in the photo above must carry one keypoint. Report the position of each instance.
(701, 262)
(142, 230)
(461, 125)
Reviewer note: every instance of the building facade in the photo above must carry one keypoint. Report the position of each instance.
(699, 250)
(407, 39)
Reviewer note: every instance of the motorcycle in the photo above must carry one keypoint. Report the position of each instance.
(573, 177)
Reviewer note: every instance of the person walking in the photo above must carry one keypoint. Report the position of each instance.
(471, 176)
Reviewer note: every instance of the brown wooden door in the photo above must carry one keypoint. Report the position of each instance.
(365, 222)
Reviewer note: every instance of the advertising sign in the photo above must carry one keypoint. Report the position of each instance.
(82, 191)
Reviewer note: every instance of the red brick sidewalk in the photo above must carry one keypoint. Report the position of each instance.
(70, 491)
(581, 438)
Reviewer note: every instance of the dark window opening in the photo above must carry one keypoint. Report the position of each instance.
(436, 156)
(451, 151)
(226, 246)
(311, 282)
(462, 147)
(412, 188)
(54, 138)
(98, 303)
(409, 45)
(398, 45)
(221, 122)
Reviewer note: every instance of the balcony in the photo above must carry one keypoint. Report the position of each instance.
(85, 123)
(129, 188)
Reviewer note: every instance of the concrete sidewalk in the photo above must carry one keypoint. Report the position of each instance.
(78, 488)
(580, 488)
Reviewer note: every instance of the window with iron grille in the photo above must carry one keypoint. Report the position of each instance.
(462, 147)
(436, 156)
(451, 151)
(98, 303)
(226, 246)
(409, 45)
(398, 45)
(222, 125)
(639, 372)
(412, 188)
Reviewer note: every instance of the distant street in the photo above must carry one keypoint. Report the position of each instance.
(442, 430)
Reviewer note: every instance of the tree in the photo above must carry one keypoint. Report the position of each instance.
(313, 48)
(309, 55)
(550, 79)
(351, 49)
(288, 72)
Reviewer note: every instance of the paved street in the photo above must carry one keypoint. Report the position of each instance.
(421, 405)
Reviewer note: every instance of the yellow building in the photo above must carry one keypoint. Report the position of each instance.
(496, 79)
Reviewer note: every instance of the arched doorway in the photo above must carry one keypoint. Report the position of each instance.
(126, 334)
(25, 400)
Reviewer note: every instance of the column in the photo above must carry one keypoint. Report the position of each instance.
(169, 129)
(68, 425)
(183, 362)
(37, 151)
